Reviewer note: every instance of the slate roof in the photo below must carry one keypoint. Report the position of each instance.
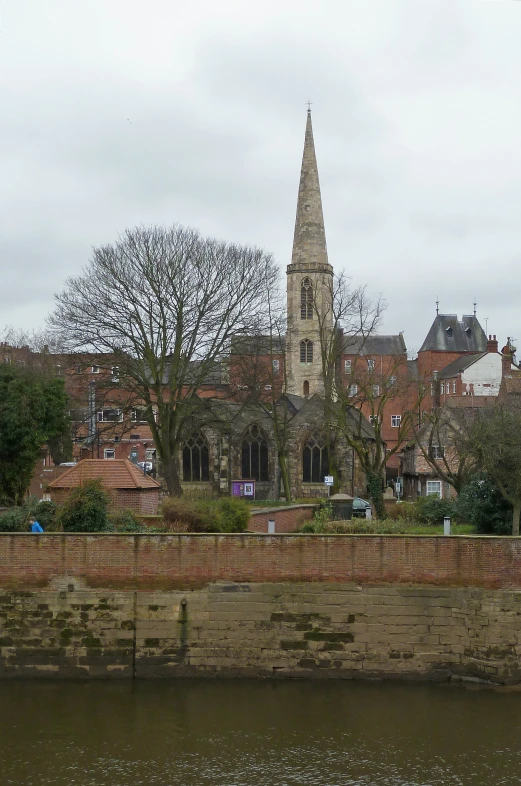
(448, 334)
(460, 364)
(412, 369)
(375, 345)
(257, 345)
(113, 473)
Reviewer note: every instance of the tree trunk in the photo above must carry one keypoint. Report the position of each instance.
(515, 518)
(284, 474)
(376, 494)
(172, 479)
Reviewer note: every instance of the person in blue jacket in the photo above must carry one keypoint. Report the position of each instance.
(35, 525)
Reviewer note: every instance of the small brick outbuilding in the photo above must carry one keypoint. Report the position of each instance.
(128, 486)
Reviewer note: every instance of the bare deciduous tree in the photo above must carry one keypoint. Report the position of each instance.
(342, 313)
(367, 394)
(165, 304)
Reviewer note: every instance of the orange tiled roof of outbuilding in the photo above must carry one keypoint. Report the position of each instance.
(113, 473)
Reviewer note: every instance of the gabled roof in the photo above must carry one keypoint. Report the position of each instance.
(375, 345)
(448, 334)
(113, 473)
(460, 364)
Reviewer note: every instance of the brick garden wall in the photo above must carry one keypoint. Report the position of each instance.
(176, 561)
(287, 519)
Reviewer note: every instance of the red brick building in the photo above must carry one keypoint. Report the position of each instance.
(128, 487)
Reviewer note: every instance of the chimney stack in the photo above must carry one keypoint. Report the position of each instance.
(492, 344)
(507, 353)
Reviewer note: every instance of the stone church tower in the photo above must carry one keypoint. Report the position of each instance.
(309, 281)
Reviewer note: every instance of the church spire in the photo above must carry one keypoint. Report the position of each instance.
(309, 242)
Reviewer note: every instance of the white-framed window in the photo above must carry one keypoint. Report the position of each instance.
(95, 370)
(434, 488)
(396, 420)
(376, 391)
(109, 453)
(150, 454)
(370, 365)
(115, 373)
(275, 364)
(137, 415)
(110, 415)
(442, 388)
(58, 370)
(242, 387)
(267, 387)
(392, 382)
(353, 390)
(454, 386)
(374, 420)
(347, 366)
(436, 451)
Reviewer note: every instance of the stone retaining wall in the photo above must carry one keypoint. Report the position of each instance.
(260, 605)
(267, 630)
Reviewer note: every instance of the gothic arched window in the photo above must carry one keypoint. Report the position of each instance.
(315, 460)
(306, 299)
(306, 351)
(254, 454)
(196, 463)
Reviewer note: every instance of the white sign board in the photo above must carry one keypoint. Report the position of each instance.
(328, 480)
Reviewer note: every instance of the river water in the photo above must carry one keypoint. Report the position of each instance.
(255, 733)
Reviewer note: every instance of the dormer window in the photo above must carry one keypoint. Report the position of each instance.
(468, 331)
(448, 331)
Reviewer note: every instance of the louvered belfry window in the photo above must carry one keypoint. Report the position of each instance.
(306, 351)
(306, 299)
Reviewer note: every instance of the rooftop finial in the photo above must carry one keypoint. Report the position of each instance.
(475, 306)
(309, 106)
(437, 306)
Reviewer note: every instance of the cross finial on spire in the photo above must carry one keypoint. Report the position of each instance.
(309, 106)
(475, 306)
(437, 306)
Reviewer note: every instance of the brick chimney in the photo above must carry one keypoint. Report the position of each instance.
(507, 353)
(492, 344)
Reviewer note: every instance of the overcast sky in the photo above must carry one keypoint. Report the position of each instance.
(120, 112)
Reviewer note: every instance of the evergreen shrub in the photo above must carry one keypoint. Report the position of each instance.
(85, 509)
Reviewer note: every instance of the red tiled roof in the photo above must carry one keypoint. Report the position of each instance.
(113, 473)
